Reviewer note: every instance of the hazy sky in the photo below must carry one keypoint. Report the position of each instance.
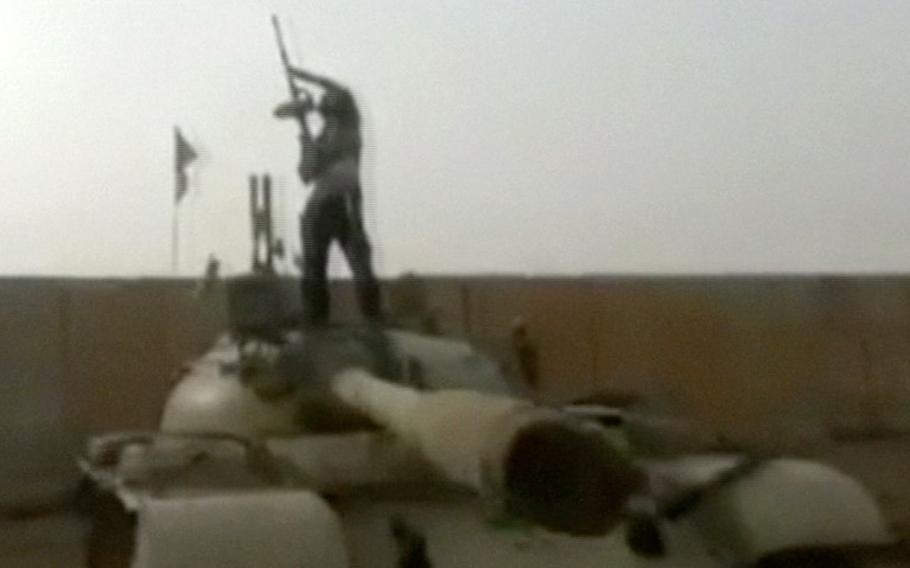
(502, 135)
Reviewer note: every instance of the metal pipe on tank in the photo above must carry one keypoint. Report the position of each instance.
(267, 220)
(254, 209)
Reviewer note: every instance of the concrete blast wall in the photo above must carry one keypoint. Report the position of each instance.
(745, 354)
(82, 356)
(740, 353)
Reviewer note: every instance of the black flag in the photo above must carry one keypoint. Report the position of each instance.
(183, 156)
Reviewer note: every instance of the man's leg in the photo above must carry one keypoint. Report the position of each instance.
(356, 248)
(316, 236)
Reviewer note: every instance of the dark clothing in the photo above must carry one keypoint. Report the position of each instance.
(339, 141)
(331, 161)
(316, 158)
(333, 212)
(410, 543)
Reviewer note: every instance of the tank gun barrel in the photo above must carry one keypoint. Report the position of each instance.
(533, 462)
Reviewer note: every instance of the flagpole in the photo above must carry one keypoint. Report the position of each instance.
(175, 235)
(178, 171)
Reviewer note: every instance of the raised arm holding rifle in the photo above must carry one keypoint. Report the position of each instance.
(330, 160)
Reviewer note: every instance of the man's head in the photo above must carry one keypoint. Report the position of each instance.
(339, 104)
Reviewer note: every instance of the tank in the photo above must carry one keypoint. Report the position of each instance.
(370, 446)
(436, 458)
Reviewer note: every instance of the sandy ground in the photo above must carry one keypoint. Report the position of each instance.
(56, 540)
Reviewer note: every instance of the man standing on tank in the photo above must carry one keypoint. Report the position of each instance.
(331, 161)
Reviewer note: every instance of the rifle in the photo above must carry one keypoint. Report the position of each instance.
(296, 107)
(292, 86)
